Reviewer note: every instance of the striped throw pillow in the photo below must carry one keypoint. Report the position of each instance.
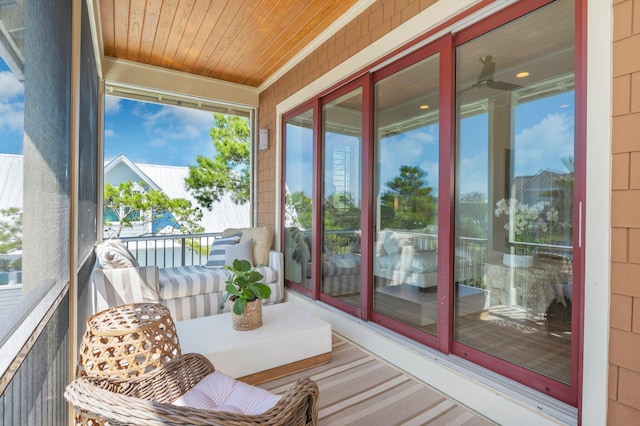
(218, 250)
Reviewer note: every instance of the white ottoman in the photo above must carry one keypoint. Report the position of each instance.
(289, 340)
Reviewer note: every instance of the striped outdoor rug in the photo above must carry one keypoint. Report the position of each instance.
(356, 388)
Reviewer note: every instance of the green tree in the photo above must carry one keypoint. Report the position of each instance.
(11, 235)
(228, 172)
(472, 214)
(408, 203)
(131, 202)
(341, 213)
(299, 209)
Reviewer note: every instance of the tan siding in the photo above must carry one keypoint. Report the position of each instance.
(620, 171)
(624, 343)
(635, 88)
(382, 17)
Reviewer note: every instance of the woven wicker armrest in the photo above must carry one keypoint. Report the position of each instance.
(146, 400)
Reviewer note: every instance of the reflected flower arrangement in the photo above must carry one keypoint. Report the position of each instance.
(526, 223)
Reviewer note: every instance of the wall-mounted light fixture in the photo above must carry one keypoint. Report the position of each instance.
(263, 143)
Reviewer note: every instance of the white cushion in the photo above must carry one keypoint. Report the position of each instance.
(424, 262)
(113, 254)
(219, 247)
(393, 243)
(241, 251)
(217, 391)
(262, 240)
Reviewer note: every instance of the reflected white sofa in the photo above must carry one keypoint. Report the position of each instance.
(405, 257)
(408, 257)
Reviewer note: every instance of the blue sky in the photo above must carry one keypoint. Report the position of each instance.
(160, 134)
(11, 111)
(145, 132)
(156, 134)
(544, 134)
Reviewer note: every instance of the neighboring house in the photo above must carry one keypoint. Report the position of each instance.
(10, 194)
(10, 197)
(170, 180)
(543, 186)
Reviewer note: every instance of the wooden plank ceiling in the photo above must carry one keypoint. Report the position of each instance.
(240, 41)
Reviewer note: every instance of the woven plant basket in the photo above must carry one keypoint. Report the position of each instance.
(250, 319)
(127, 341)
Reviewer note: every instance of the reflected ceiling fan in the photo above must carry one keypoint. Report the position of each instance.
(485, 79)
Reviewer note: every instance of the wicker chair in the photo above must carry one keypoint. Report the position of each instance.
(146, 400)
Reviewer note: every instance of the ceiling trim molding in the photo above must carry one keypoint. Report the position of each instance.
(430, 18)
(96, 33)
(336, 26)
(168, 80)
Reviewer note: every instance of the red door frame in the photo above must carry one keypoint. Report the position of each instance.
(444, 340)
(567, 393)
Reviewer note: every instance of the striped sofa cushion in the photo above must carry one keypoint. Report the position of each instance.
(184, 281)
(126, 285)
(197, 306)
(341, 285)
(336, 265)
(218, 250)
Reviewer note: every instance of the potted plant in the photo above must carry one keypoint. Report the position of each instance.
(244, 295)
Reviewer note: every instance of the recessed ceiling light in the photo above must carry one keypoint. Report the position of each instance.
(522, 74)
(424, 106)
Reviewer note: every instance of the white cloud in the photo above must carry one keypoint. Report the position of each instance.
(474, 174)
(157, 143)
(12, 116)
(11, 105)
(10, 87)
(542, 145)
(194, 117)
(178, 123)
(413, 148)
(433, 172)
(111, 104)
(108, 133)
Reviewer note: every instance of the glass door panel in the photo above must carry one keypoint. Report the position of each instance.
(298, 198)
(406, 189)
(342, 197)
(514, 192)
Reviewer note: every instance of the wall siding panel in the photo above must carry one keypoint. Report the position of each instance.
(379, 19)
(624, 370)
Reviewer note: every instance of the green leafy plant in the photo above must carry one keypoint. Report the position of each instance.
(132, 202)
(243, 285)
(229, 172)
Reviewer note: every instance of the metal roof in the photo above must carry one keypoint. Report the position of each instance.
(224, 214)
(169, 179)
(10, 181)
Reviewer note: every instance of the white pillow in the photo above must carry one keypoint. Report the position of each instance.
(394, 243)
(113, 254)
(241, 251)
(217, 391)
(219, 247)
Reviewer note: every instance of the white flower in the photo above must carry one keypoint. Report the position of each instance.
(525, 220)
